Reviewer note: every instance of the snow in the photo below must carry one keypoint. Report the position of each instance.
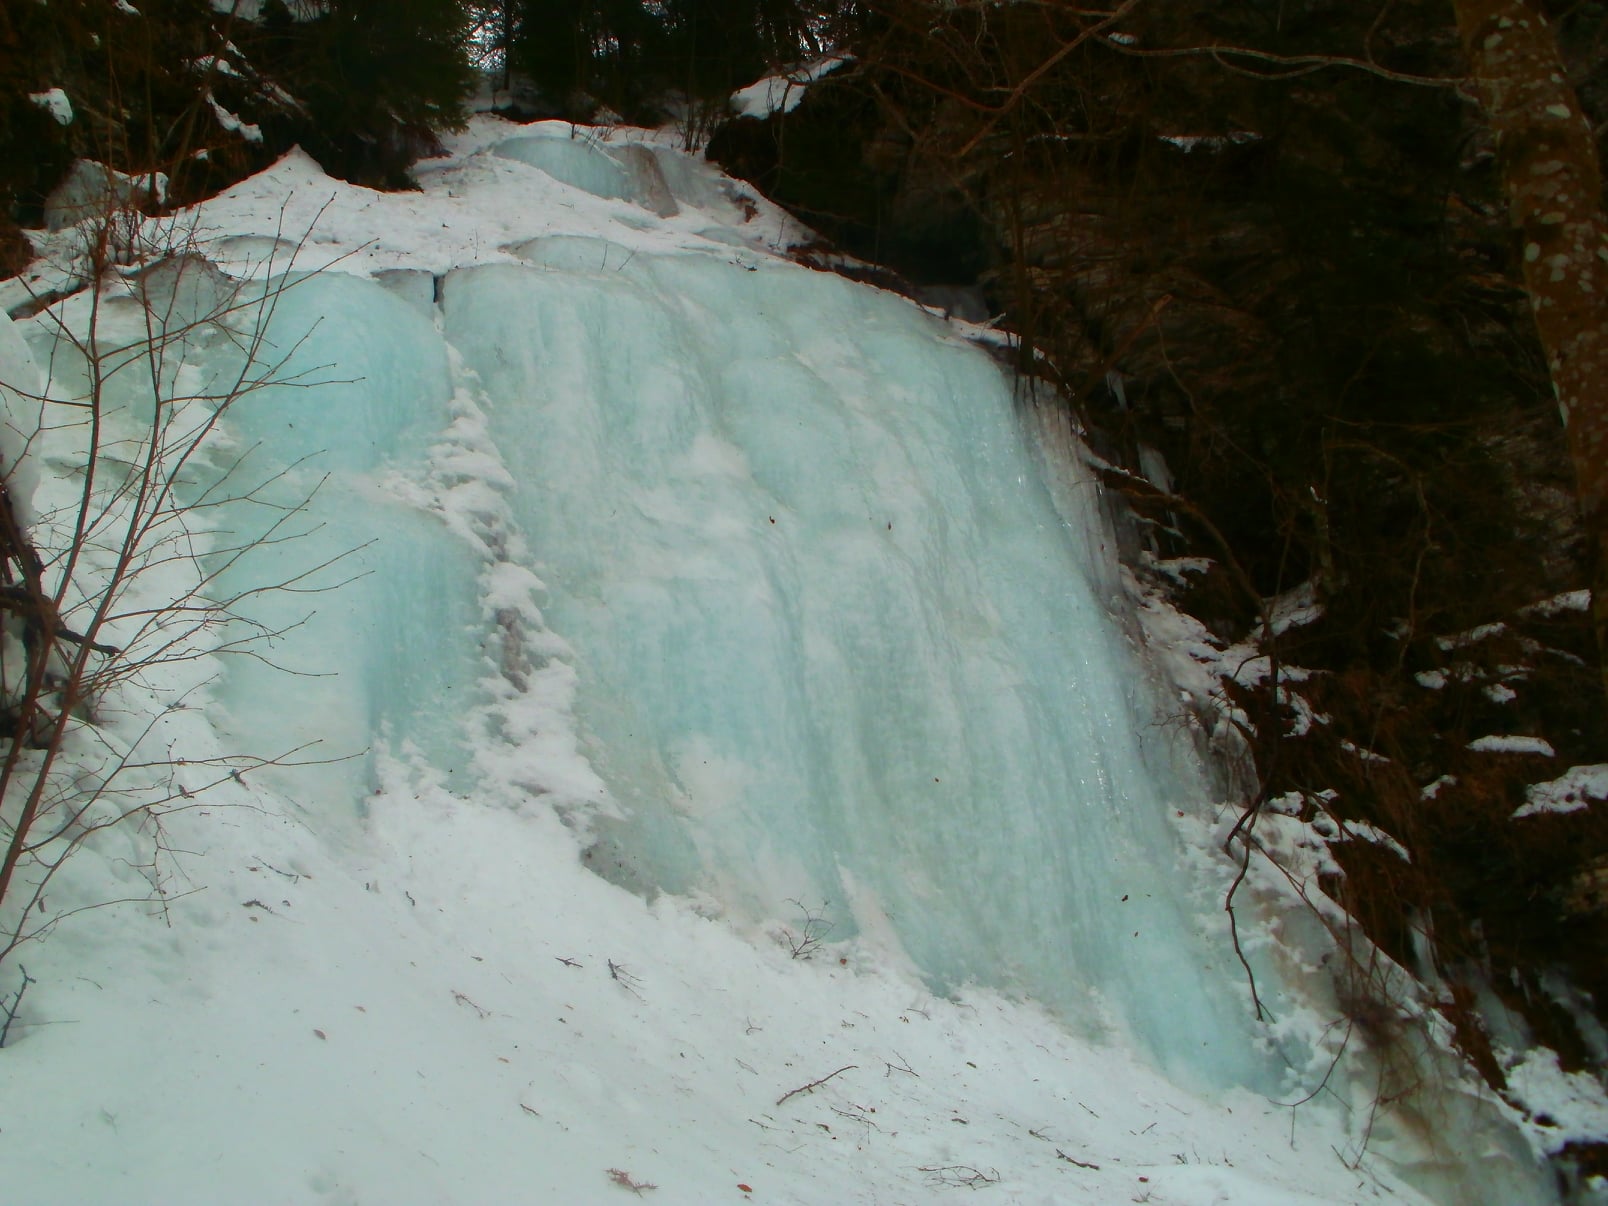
(1294, 608)
(1352, 747)
(450, 1054)
(247, 130)
(782, 93)
(1211, 142)
(208, 63)
(654, 602)
(1473, 636)
(54, 102)
(89, 192)
(1573, 600)
(1577, 788)
(1378, 837)
(1570, 1107)
(1506, 743)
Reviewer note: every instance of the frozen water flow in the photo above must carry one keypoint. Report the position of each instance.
(386, 632)
(575, 162)
(834, 642)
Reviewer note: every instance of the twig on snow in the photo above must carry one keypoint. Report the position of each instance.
(902, 1066)
(815, 1083)
(1060, 1155)
(624, 978)
(961, 1174)
(625, 1181)
(464, 1000)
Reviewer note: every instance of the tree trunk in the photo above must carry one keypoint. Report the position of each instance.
(1554, 187)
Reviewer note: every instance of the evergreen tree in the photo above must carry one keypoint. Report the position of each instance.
(204, 96)
(371, 80)
(135, 83)
(582, 52)
(632, 54)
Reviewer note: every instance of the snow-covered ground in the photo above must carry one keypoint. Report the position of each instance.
(666, 557)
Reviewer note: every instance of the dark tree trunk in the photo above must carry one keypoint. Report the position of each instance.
(1554, 189)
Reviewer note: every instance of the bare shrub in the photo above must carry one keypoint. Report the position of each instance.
(119, 590)
(813, 928)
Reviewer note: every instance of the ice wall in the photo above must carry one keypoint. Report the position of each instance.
(747, 572)
(810, 612)
(372, 602)
(834, 643)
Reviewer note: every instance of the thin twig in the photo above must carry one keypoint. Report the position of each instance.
(15, 1004)
(815, 1084)
(1304, 64)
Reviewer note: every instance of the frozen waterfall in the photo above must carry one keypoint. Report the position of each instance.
(834, 649)
(834, 644)
(573, 525)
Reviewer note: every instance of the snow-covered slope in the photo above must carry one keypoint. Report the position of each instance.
(721, 727)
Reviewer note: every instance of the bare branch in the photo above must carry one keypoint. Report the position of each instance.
(815, 1083)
